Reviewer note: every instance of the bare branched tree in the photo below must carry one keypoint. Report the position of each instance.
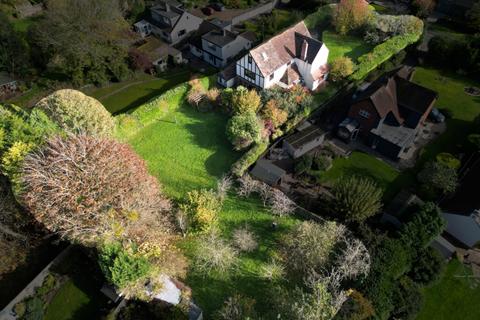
(223, 186)
(264, 191)
(247, 185)
(182, 221)
(354, 259)
(214, 253)
(280, 204)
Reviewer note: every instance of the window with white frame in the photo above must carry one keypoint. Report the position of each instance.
(365, 114)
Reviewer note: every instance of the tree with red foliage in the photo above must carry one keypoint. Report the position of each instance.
(351, 15)
(92, 189)
(139, 60)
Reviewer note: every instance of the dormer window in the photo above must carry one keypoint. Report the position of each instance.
(364, 114)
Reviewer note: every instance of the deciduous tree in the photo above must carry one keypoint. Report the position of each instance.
(341, 68)
(243, 130)
(356, 198)
(350, 15)
(88, 189)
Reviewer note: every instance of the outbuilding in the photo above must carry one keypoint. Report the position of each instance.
(303, 141)
(268, 172)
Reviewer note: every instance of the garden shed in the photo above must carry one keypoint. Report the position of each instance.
(268, 172)
(303, 141)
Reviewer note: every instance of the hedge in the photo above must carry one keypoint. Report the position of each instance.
(382, 53)
(249, 158)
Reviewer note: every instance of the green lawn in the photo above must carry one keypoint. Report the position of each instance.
(452, 298)
(120, 97)
(187, 149)
(362, 164)
(452, 98)
(339, 46)
(70, 302)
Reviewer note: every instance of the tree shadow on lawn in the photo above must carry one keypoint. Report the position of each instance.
(152, 91)
(211, 290)
(208, 132)
(87, 279)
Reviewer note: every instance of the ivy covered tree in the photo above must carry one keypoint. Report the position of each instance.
(76, 112)
(356, 198)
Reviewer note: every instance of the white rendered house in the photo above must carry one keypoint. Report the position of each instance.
(289, 58)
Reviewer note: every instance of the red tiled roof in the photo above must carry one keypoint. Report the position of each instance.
(279, 50)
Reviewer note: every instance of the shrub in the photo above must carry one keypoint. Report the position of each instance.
(303, 164)
(75, 112)
(202, 208)
(448, 160)
(273, 271)
(407, 300)
(122, 266)
(243, 130)
(341, 68)
(250, 157)
(428, 266)
(244, 240)
(214, 253)
(357, 307)
(322, 162)
(356, 198)
(237, 307)
(438, 177)
(272, 112)
(213, 95)
(245, 101)
(351, 15)
(86, 189)
(13, 159)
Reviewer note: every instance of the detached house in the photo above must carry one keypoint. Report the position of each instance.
(169, 21)
(287, 59)
(217, 45)
(388, 114)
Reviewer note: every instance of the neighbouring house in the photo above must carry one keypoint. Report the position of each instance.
(455, 8)
(389, 114)
(143, 28)
(8, 85)
(301, 142)
(287, 59)
(216, 44)
(227, 76)
(158, 52)
(463, 230)
(169, 21)
(268, 172)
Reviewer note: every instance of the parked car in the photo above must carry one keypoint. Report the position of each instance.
(208, 11)
(436, 116)
(217, 6)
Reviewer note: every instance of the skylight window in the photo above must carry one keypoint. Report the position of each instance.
(264, 55)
